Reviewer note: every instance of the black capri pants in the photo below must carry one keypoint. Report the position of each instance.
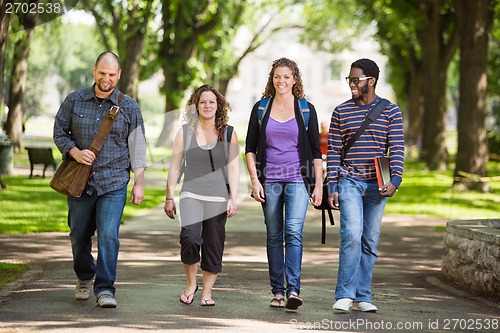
(203, 226)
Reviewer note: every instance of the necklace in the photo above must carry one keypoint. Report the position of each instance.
(282, 109)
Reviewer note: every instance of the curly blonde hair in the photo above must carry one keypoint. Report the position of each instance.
(298, 87)
(191, 116)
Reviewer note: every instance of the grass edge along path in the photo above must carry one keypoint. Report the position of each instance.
(10, 272)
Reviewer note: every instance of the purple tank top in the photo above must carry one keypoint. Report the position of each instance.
(282, 151)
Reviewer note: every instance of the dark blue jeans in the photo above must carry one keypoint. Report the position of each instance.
(86, 215)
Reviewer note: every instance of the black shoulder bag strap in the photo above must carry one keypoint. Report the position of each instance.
(370, 118)
(372, 115)
(228, 131)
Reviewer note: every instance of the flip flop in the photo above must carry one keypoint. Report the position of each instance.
(187, 302)
(293, 302)
(280, 301)
(207, 302)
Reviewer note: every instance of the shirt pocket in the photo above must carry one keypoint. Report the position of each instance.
(82, 127)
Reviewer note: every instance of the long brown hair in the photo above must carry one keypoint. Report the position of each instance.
(298, 87)
(191, 116)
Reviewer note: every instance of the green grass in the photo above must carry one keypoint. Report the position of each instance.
(10, 272)
(30, 205)
(430, 193)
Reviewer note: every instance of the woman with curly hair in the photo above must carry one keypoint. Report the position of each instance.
(283, 158)
(206, 152)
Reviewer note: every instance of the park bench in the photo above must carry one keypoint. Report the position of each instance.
(41, 155)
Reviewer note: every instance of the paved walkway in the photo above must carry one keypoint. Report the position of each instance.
(407, 286)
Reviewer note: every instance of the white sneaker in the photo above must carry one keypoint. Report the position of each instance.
(342, 305)
(364, 307)
(106, 301)
(82, 290)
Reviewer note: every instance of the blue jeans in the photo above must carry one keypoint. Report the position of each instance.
(86, 215)
(361, 210)
(285, 225)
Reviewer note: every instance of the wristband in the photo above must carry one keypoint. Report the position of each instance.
(169, 199)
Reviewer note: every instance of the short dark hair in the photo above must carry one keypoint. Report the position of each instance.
(106, 53)
(369, 67)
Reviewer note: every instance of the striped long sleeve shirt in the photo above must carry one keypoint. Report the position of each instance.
(382, 137)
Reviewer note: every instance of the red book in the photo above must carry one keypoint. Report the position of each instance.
(382, 169)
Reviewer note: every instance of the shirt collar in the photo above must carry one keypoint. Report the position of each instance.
(113, 97)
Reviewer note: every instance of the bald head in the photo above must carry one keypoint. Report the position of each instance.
(109, 58)
(106, 74)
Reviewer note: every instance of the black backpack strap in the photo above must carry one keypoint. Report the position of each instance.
(372, 115)
(323, 226)
(323, 223)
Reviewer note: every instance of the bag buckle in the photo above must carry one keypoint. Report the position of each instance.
(113, 112)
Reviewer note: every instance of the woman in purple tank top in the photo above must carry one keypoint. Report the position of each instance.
(283, 158)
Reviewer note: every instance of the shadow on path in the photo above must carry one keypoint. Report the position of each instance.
(406, 285)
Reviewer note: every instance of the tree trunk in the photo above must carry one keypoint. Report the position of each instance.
(4, 30)
(437, 52)
(174, 91)
(474, 21)
(19, 74)
(133, 47)
(181, 35)
(223, 84)
(129, 79)
(413, 130)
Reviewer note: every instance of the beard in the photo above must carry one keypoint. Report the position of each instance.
(363, 92)
(103, 89)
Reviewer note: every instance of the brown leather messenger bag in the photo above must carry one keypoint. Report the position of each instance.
(71, 177)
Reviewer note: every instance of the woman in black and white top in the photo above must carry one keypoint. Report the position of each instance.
(206, 152)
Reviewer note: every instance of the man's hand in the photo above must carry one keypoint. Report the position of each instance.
(388, 190)
(333, 200)
(137, 194)
(85, 156)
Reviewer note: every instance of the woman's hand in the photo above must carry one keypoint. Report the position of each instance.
(317, 195)
(169, 208)
(258, 193)
(232, 207)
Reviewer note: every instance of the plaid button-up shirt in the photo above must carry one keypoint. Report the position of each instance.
(76, 125)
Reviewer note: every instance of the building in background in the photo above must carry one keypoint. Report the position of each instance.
(323, 74)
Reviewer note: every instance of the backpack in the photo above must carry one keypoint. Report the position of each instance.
(187, 136)
(264, 105)
(324, 207)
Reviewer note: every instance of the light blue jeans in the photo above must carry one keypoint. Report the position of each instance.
(86, 215)
(361, 210)
(284, 214)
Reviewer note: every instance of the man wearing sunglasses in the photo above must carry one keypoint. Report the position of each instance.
(353, 184)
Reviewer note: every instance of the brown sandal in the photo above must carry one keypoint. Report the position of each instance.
(277, 302)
